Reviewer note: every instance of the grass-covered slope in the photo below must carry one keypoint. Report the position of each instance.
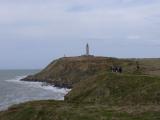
(53, 110)
(65, 72)
(97, 94)
(150, 66)
(117, 89)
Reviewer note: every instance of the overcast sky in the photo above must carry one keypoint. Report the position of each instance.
(34, 32)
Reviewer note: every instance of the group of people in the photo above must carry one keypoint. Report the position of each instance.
(117, 69)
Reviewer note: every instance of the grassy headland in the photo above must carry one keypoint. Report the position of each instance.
(67, 71)
(97, 93)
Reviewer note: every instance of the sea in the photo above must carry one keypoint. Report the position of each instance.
(13, 91)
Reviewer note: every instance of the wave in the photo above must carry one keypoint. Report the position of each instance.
(15, 91)
(41, 85)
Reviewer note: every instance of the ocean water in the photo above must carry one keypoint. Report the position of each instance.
(13, 91)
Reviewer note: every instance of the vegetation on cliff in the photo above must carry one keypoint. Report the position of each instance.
(67, 71)
(117, 89)
(58, 110)
(97, 93)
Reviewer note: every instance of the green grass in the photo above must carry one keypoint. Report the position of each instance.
(70, 70)
(53, 110)
(105, 96)
(117, 89)
(97, 93)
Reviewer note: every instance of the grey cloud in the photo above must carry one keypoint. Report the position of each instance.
(117, 28)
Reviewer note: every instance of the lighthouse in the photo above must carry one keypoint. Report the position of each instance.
(87, 50)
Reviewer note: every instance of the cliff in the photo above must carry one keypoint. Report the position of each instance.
(67, 71)
(97, 92)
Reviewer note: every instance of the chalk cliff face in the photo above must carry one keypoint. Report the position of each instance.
(67, 71)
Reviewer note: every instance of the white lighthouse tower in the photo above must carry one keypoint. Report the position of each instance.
(87, 50)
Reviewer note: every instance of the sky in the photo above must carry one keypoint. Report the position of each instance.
(35, 32)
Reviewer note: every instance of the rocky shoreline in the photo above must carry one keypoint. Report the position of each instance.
(58, 84)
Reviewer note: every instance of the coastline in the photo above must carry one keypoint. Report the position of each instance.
(41, 84)
(54, 83)
(46, 92)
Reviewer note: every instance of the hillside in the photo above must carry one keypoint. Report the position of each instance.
(58, 110)
(117, 89)
(67, 71)
(106, 96)
(97, 92)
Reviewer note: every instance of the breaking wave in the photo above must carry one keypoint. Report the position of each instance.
(38, 85)
(15, 91)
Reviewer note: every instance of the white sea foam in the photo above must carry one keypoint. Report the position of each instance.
(16, 91)
(39, 85)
